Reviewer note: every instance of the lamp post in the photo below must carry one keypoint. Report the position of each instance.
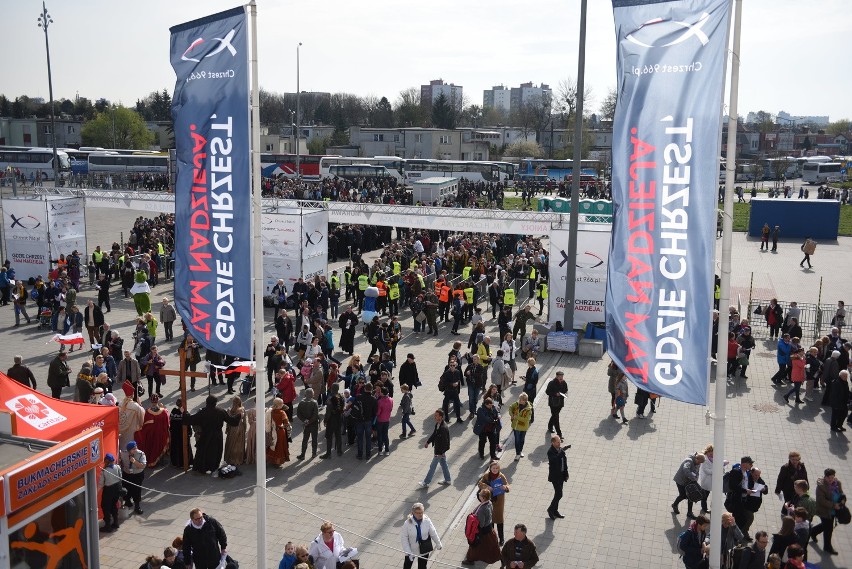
(298, 94)
(44, 20)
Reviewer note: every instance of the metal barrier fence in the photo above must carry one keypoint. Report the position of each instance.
(810, 317)
(522, 291)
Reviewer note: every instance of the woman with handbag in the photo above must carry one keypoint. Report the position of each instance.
(419, 537)
(484, 547)
(497, 482)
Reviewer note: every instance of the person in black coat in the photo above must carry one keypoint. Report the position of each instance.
(408, 373)
(204, 541)
(839, 400)
(557, 474)
(348, 322)
(211, 443)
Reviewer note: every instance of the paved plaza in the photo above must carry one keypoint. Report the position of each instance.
(617, 502)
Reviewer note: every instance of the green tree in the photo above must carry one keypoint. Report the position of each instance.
(272, 108)
(607, 110)
(381, 114)
(318, 145)
(408, 111)
(117, 127)
(83, 107)
(842, 126)
(66, 107)
(443, 114)
(19, 108)
(101, 105)
(5, 106)
(524, 149)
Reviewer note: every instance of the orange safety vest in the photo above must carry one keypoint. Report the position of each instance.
(383, 289)
(438, 285)
(458, 293)
(444, 296)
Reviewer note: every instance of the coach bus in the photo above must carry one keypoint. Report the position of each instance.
(821, 172)
(273, 165)
(103, 163)
(394, 165)
(473, 170)
(353, 171)
(557, 169)
(35, 160)
(777, 168)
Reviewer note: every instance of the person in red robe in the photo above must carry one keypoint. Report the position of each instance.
(154, 436)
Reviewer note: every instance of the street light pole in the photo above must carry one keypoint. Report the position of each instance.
(571, 272)
(298, 94)
(44, 20)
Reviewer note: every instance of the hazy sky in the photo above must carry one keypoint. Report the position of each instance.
(794, 53)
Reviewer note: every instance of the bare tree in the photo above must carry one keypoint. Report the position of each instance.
(607, 110)
(566, 97)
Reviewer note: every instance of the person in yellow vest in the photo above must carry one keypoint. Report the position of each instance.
(363, 285)
(393, 296)
(466, 272)
(98, 257)
(541, 293)
(414, 264)
(348, 283)
(532, 277)
(334, 293)
(508, 296)
(469, 299)
(397, 267)
(422, 281)
(444, 302)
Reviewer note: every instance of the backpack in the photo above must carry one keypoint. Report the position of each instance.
(682, 538)
(737, 554)
(357, 410)
(471, 526)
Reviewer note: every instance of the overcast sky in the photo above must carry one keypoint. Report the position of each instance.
(795, 54)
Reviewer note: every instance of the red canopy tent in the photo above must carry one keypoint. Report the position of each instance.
(39, 416)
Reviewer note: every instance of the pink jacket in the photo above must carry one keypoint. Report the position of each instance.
(385, 409)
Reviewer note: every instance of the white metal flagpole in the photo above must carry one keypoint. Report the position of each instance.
(724, 301)
(257, 289)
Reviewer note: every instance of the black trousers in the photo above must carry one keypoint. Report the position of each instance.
(169, 334)
(109, 504)
(557, 495)
(553, 424)
(681, 496)
(491, 437)
(825, 526)
(133, 484)
(838, 415)
(333, 432)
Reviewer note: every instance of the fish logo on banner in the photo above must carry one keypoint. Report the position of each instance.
(213, 185)
(659, 294)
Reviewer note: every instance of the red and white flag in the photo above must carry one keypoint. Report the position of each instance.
(237, 367)
(69, 339)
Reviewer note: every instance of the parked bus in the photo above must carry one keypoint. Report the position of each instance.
(103, 162)
(353, 171)
(557, 169)
(475, 171)
(394, 165)
(273, 165)
(778, 168)
(821, 172)
(800, 162)
(507, 169)
(35, 160)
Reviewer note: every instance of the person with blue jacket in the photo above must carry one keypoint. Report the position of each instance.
(783, 357)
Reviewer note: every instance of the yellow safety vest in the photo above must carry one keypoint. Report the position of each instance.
(374, 279)
(422, 282)
(397, 268)
(509, 297)
(413, 265)
(394, 291)
(542, 291)
(363, 282)
(468, 295)
(335, 282)
(717, 293)
(347, 278)
(466, 272)
(160, 249)
(532, 273)
(98, 255)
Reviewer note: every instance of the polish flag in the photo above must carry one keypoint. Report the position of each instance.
(241, 367)
(69, 339)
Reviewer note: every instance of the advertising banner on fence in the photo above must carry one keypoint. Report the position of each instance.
(671, 69)
(67, 226)
(280, 234)
(590, 290)
(210, 108)
(314, 244)
(25, 227)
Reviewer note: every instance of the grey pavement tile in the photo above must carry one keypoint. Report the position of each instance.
(621, 475)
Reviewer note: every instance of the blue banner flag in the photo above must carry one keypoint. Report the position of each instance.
(210, 108)
(666, 133)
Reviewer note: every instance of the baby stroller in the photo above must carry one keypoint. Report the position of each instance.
(44, 318)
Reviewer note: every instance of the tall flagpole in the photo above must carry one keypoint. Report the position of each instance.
(718, 502)
(573, 221)
(257, 289)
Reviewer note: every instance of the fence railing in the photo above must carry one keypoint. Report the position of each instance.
(811, 317)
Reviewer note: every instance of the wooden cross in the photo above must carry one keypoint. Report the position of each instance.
(183, 374)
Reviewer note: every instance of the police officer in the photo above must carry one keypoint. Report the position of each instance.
(541, 293)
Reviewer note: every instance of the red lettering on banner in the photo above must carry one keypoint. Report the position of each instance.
(194, 287)
(199, 224)
(643, 238)
(640, 295)
(637, 267)
(200, 264)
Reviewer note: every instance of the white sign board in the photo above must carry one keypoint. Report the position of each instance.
(25, 227)
(66, 226)
(591, 263)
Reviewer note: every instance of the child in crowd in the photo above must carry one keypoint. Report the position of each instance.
(289, 559)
